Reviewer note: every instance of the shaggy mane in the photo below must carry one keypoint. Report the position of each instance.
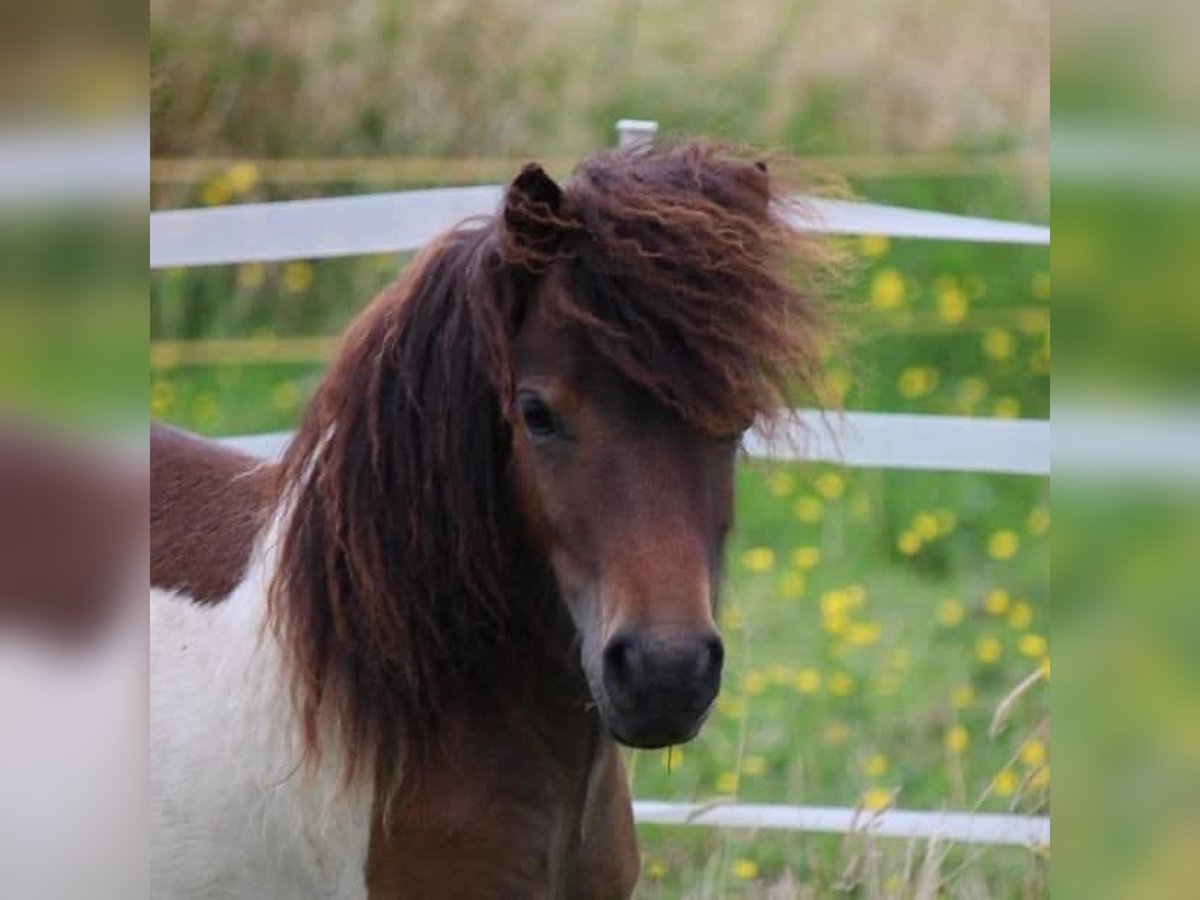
(405, 585)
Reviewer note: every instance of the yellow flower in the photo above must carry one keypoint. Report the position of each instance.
(957, 739)
(251, 276)
(876, 799)
(950, 612)
(656, 869)
(806, 557)
(781, 484)
(285, 397)
(754, 765)
(1004, 783)
(835, 602)
(242, 177)
(1044, 668)
(727, 783)
(162, 398)
(873, 246)
(952, 305)
(917, 381)
(1033, 753)
(925, 525)
(836, 733)
(807, 681)
(876, 765)
(1034, 321)
(791, 585)
(297, 277)
(962, 696)
(829, 485)
(841, 684)
(1038, 521)
(1007, 408)
(754, 683)
(988, 650)
(856, 595)
(216, 192)
(887, 289)
(836, 623)
(808, 509)
(971, 390)
(864, 634)
(1032, 645)
(908, 543)
(996, 602)
(1021, 616)
(947, 520)
(1040, 285)
(1003, 545)
(745, 869)
(759, 559)
(997, 344)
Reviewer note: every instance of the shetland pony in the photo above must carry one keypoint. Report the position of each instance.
(490, 552)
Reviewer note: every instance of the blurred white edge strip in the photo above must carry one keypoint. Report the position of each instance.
(56, 164)
(972, 828)
(863, 440)
(407, 220)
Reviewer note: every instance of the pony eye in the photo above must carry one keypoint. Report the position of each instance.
(539, 420)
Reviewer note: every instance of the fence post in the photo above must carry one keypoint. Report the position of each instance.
(631, 131)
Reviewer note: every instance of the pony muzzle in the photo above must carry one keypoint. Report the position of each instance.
(659, 688)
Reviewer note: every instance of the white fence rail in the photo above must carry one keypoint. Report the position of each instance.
(864, 440)
(406, 220)
(967, 828)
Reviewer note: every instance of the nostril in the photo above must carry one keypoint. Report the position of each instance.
(711, 658)
(622, 662)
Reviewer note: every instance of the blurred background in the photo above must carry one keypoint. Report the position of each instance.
(875, 619)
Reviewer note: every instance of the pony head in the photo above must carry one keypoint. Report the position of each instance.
(542, 415)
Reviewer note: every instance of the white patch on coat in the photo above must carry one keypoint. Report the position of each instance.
(231, 813)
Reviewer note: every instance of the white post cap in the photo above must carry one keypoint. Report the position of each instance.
(630, 131)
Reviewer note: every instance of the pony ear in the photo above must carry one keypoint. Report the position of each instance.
(759, 178)
(535, 220)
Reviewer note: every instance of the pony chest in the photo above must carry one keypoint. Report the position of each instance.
(502, 817)
(232, 812)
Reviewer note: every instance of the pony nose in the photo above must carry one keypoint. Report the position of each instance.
(685, 669)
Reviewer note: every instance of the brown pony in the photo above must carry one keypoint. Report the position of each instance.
(500, 523)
